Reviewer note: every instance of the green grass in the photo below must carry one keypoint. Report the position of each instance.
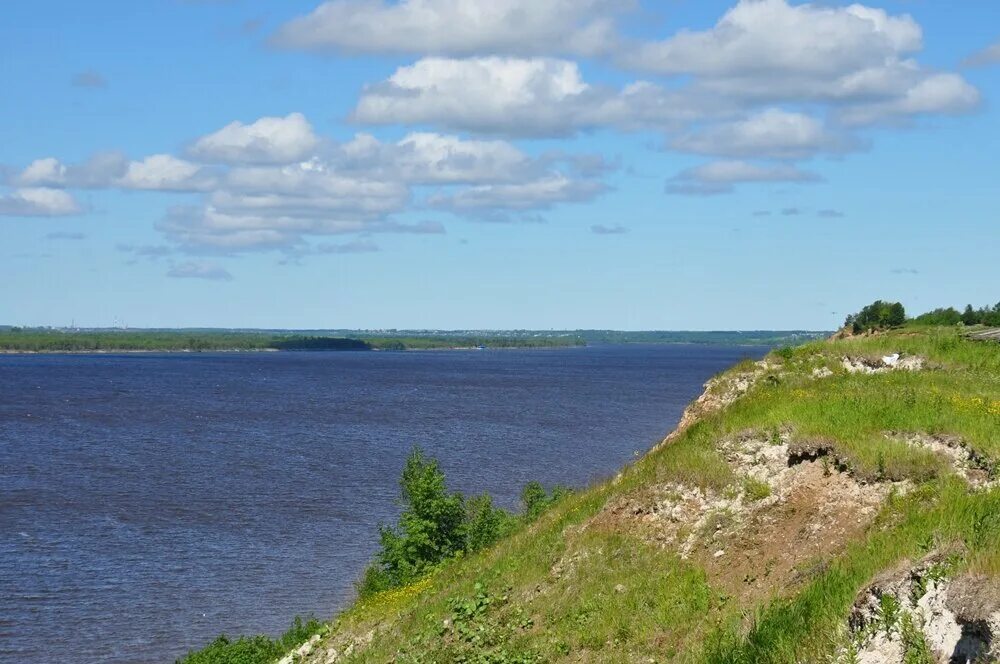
(569, 588)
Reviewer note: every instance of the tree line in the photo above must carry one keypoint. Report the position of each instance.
(881, 315)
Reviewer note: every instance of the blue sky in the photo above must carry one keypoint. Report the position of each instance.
(518, 163)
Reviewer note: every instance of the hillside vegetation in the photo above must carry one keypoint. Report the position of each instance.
(835, 502)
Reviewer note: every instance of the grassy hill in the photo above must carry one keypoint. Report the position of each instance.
(835, 502)
(821, 505)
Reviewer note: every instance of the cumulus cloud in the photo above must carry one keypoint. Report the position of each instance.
(429, 158)
(496, 95)
(199, 270)
(939, 94)
(210, 229)
(770, 36)
(837, 67)
(111, 169)
(252, 203)
(38, 202)
(772, 133)
(985, 57)
(720, 177)
(167, 173)
(269, 140)
(541, 194)
(769, 51)
(99, 171)
(522, 97)
(455, 27)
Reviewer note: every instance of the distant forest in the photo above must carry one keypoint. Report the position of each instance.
(16, 339)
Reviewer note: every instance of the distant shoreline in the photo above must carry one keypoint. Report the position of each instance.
(467, 349)
(16, 340)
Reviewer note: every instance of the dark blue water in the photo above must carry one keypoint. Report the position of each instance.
(149, 502)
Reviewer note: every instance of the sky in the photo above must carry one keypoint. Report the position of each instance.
(460, 164)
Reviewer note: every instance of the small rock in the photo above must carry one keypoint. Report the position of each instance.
(719, 554)
(619, 589)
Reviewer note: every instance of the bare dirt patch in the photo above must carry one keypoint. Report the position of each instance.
(797, 507)
(920, 608)
(968, 464)
(884, 364)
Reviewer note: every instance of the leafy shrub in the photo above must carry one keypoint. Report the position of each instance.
(431, 528)
(254, 649)
(536, 500)
(785, 352)
(949, 316)
(486, 524)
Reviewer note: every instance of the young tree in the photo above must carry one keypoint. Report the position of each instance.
(485, 524)
(896, 315)
(431, 527)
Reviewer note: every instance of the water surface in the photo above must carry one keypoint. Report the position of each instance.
(149, 502)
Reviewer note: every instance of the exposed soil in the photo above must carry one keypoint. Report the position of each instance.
(753, 545)
(957, 620)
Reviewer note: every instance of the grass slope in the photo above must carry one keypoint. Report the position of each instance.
(692, 555)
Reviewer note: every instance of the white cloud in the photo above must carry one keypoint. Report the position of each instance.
(852, 64)
(317, 181)
(520, 97)
(97, 172)
(428, 158)
(165, 172)
(768, 37)
(38, 202)
(772, 133)
(47, 171)
(456, 27)
(769, 52)
(214, 230)
(719, 177)
(336, 189)
(503, 95)
(522, 197)
(199, 270)
(112, 169)
(269, 140)
(985, 57)
(939, 94)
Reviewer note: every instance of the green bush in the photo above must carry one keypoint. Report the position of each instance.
(536, 500)
(436, 525)
(254, 649)
(431, 528)
(486, 524)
